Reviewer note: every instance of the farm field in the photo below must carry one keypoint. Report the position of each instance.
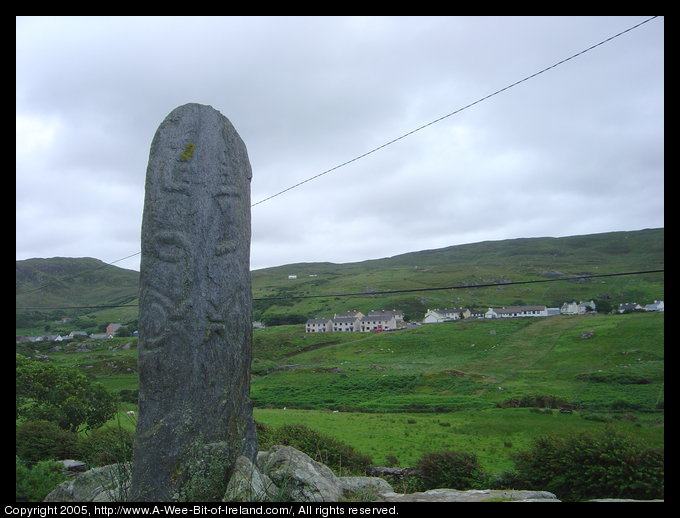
(494, 435)
(478, 386)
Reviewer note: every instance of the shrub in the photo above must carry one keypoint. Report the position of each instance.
(449, 469)
(337, 455)
(42, 440)
(64, 396)
(602, 465)
(128, 396)
(107, 446)
(33, 484)
(505, 480)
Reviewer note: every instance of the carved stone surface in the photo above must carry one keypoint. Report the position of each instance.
(195, 324)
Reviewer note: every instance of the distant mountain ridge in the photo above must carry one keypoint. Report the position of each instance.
(63, 281)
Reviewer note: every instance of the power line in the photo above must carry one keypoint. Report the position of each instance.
(462, 287)
(388, 292)
(482, 99)
(63, 279)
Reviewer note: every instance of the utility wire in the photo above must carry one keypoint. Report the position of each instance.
(454, 112)
(461, 287)
(387, 292)
(482, 99)
(79, 274)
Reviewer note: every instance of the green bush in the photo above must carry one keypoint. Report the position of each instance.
(33, 484)
(449, 469)
(592, 465)
(107, 446)
(62, 395)
(42, 440)
(337, 455)
(128, 395)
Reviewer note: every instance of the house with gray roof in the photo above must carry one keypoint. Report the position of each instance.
(319, 325)
(517, 312)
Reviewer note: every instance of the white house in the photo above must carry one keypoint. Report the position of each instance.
(346, 324)
(517, 312)
(434, 316)
(572, 308)
(319, 325)
(657, 306)
(634, 306)
(372, 322)
(356, 321)
(387, 319)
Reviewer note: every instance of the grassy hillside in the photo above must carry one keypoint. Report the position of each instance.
(85, 281)
(478, 386)
(73, 281)
(436, 387)
(473, 386)
(597, 362)
(479, 263)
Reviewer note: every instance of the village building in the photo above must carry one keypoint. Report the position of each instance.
(319, 325)
(434, 316)
(346, 324)
(517, 312)
(572, 308)
(657, 306)
(373, 322)
(631, 306)
(352, 321)
(111, 329)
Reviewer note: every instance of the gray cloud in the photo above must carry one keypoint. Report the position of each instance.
(578, 149)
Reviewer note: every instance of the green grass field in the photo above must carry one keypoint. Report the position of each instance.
(406, 393)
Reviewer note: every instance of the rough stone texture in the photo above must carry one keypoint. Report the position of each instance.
(299, 476)
(195, 325)
(106, 484)
(357, 487)
(247, 484)
(472, 495)
(76, 466)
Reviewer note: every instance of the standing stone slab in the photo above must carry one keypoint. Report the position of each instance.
(195, 325)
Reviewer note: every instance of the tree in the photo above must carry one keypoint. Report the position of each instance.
(604, 306)
(123, 332)
(63, 396)
(605, 464)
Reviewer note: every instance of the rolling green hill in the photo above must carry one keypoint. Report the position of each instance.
(67, 281)
(604, 362)
(479, 386)
(85, 281)
(466, 265)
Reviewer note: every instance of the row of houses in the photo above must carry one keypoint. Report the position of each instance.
(434, 316)
(111, 331)
(388, 320)
(356, 321)
(634, 306)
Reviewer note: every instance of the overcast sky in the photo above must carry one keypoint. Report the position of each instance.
(575, 150)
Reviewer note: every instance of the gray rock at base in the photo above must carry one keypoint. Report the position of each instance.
(74, 466)
(472, 495)
(105, 484)
(247, 484)
(299, 476)
(623, 500)
(195, 325)
(368, 487)
(302, 479)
